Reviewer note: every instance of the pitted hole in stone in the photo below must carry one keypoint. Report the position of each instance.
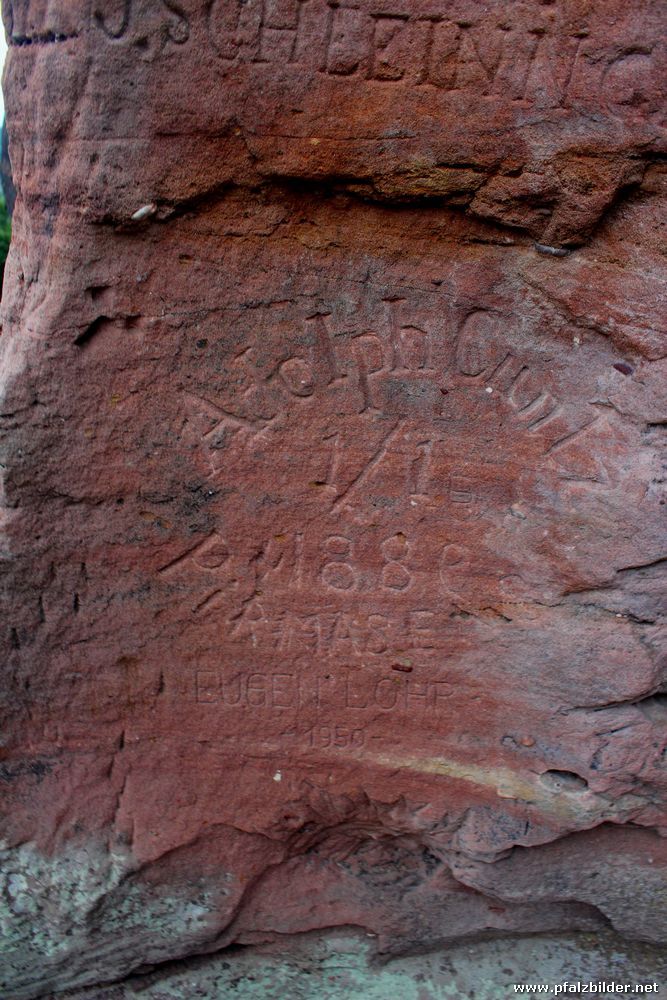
(298, 377)
(654, 708)
(563, 781)
(91, 330)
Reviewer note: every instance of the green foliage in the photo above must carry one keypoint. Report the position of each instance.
(5, 230)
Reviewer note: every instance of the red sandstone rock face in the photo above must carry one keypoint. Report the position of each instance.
(333, 409)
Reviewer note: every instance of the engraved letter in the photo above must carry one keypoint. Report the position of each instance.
(353, 699)
(256, 690)
(395, 550)
(390, 52)
(422, 629)
(282, 690)
(233, 24)
(338, 574)
(386, 693)
(178, 28)
(631, 84)
(349, 41)
(113, 27)
(279, 33)
(207, 685)
(476, 345)
(370, 361)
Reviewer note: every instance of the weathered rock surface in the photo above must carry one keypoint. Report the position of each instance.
(333, 410)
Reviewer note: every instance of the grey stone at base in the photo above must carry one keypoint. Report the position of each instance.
(338, 966)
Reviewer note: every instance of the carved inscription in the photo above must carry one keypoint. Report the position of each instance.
(210, 554)
(337, 633)
(340, 572)
(337, 737)
(346, 692)
(480, 54)
(298, 561)
(421, 49)
(393, 370)
(476, 53)
(113, 23)
(121, 19)
(391, 410)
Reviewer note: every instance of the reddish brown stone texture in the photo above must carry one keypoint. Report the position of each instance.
(332, 502)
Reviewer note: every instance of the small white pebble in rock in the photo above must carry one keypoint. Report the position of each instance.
(489, 389)
(551, 251)
(144, 212)
(278, 776)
